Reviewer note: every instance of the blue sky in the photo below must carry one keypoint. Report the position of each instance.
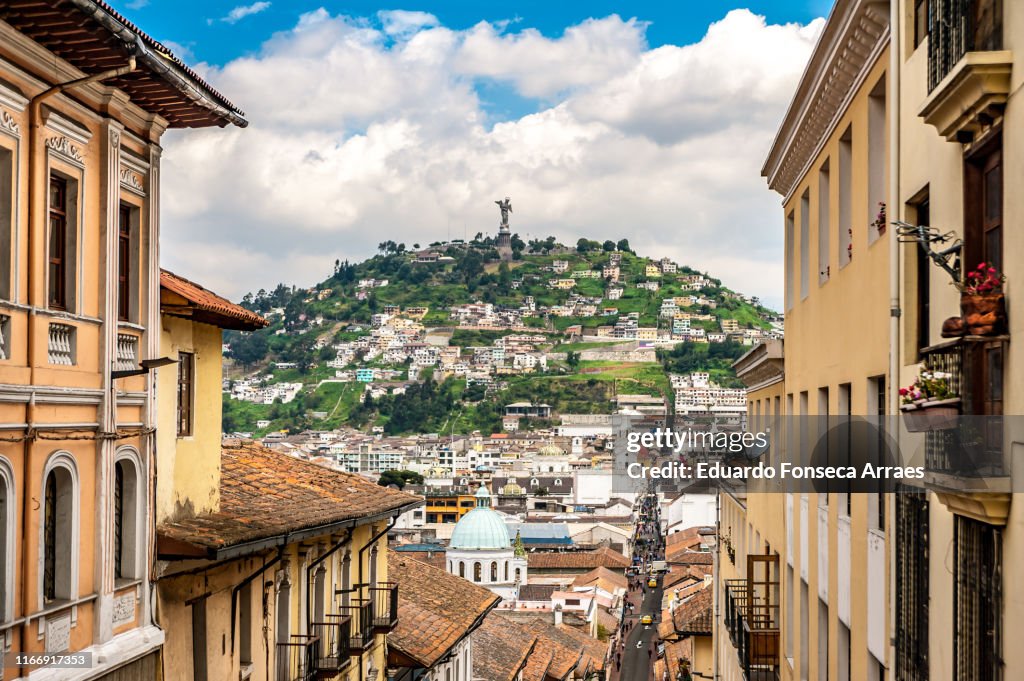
(646, 120)
(199, 24)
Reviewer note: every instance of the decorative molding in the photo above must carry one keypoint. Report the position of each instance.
(115, 139)
(66, 148)
(8, 124)
(855, 36)
(131, 181)
(12, 98)
(62, 125)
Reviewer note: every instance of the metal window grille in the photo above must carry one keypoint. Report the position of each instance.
(977, 615)
(118, 520)
(50, 539)
(956, 27)
(911, 631)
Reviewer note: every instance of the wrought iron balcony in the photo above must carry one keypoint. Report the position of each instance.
(972, 448)
(385, 606)
(360, 615)
(957, 27)
(335, 634)
(297, 658)
(752, 623)
(968, 463)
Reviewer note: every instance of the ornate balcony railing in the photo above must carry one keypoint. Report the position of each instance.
(297, 658)
(752, 623)
(127, 353)
(385, 606)
(61, 344)
(335, 634)
(957, 27)
(4, 323)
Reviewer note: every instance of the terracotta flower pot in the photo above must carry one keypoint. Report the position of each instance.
(984, 314)
(954, 327)
(922, 417)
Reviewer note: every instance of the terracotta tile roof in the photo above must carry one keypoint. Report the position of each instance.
(587, 560)
(604, 578)
(433, 558)
(568, 652)
(595, 650)
(269, 498)
(435, 609)
(93, 34)
(684, 556)
(501, 648)
(687, 537)
(695, 616)
(539, 662)
(204, 305)
(537, 592)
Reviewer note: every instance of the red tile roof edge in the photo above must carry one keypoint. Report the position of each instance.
(208, 301)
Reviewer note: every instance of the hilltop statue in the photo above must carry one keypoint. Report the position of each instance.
(506, 208)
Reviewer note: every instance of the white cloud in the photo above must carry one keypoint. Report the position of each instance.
(243, 11)
(403, 23)
(359, 134)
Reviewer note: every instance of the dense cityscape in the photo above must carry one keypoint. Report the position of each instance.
(510, 457)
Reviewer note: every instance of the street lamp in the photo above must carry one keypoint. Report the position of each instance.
(145, 366)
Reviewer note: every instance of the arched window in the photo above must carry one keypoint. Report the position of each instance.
(494, 571)
(462, 569)
(7, 550)
(558, 482)
(319, 593)
(59, 529)
(127, 499)
(506, 570)
(518, 573)
(477, 572)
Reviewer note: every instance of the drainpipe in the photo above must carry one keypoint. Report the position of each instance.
(309, 570)
(373, 540)
(35, 254)
(895, 62)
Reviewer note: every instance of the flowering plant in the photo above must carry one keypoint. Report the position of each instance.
(930, 386)
(880, 220)
(981, 280)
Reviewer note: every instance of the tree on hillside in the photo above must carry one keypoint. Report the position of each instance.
(608, 245)
(399, 479)
(623, 246)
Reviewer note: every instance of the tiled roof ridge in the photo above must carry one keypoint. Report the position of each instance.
(207, 299)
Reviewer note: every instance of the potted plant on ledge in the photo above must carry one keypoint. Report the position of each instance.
(982, 302)
(929, 403)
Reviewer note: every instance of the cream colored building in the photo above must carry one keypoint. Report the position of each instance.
(957, 605)
(85, 98)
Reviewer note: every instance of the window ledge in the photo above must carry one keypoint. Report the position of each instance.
(987, 507)
(971, 96)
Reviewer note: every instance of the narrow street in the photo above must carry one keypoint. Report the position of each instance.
(635, 650)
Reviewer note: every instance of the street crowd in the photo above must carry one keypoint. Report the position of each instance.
(648, 546)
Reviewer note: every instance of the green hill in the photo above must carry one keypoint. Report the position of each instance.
(308, 326)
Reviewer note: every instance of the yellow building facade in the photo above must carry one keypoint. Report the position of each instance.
(85, 98)
(270, 567)
(803, 575)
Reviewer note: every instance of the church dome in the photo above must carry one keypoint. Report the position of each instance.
(481, 528)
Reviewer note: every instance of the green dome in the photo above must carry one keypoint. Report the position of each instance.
(481, 528)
